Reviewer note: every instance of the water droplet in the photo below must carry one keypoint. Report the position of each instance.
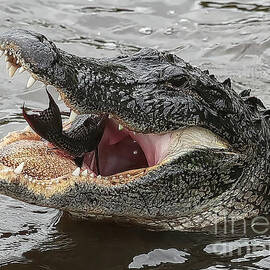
(110, 45)
(169, 31)
(171, 12)
(135, 152)
(146, 30)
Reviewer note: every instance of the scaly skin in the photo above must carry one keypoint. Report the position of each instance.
(148, 92)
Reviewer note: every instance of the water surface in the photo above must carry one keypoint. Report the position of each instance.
(231, 39)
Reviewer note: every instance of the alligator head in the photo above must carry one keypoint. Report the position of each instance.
(180, 150)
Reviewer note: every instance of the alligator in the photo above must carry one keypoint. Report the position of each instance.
(180, 150)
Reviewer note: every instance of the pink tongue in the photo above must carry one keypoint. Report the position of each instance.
(155, 147)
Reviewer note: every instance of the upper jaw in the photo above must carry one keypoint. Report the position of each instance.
(135, 97)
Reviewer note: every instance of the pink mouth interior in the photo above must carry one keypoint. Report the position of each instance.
(123, 150)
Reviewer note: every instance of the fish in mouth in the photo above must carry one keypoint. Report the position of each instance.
(82, 137)
(151, 140)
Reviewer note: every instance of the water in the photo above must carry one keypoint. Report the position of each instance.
(231, 39)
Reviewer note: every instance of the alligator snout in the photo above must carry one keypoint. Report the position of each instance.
(81, 137)
(46, 54)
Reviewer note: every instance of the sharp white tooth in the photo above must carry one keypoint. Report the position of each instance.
(72, 116)
(21, 69)
(19, 169)
(120, 127)
(18, 61)
(84, 173)
(12, 71)
(76, 171)
(30, 82)
(59, 97)
(5, 170)
(1, 52)
(110, 116)
(99, 177)
(134, 134)
(92, 175)
(6, 58)
(6, 52)
(8, 65)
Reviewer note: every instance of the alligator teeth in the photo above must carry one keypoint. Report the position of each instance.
(30, 82)
(72, 116)
(59, 97)
(110, 116)
(84, 173)
(21, 69)
(12, 71)
(92, 175)
(5, 170)
(8, 65)
(99, 177)
(76, 171)
(6, 52)
(18, 61)
(120, 127)
(19, 169)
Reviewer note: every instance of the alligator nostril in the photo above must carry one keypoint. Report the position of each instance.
(41, 38)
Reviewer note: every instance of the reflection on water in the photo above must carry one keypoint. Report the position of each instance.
(230, 38)
(157, 257)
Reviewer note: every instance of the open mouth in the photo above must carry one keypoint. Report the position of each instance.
(123, 150)
(124, 155)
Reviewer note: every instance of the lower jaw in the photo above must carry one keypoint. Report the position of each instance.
(47, 174)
